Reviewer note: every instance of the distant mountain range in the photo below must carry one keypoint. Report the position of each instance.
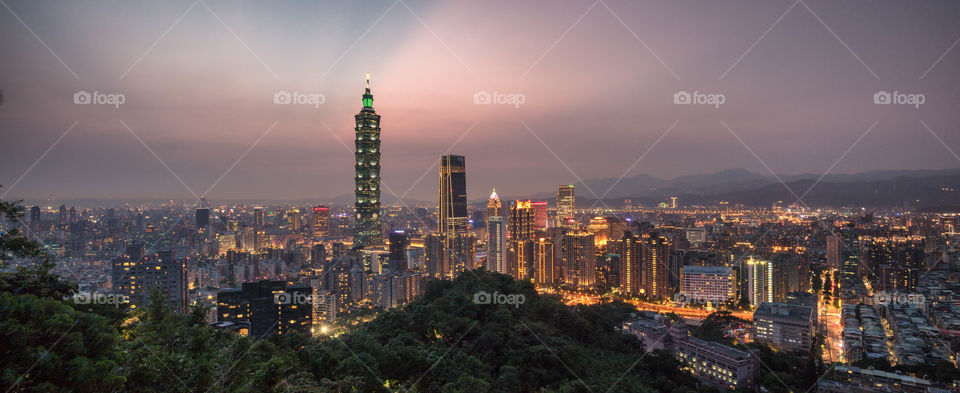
(930, 190)
(919, 188)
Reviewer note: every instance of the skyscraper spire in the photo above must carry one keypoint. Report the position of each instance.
(367, 96)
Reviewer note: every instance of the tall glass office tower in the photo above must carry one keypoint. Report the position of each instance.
(366, 230)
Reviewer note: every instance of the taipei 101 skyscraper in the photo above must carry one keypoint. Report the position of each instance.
(366, 230)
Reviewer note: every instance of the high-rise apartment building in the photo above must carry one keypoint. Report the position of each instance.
(293, 219)
(496, 244)
(540, 216)
(321, 221)
(708, 283)
(270, 307)
(258, 217)
(565, 205)
(521, 220)
(655, 250)
(399, 241)
(579, 260)
(631, 278)
(759, 280)
(544, 262)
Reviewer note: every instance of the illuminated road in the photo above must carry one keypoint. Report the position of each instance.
(571, 299)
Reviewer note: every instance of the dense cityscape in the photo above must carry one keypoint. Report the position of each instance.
(870, 293)
(723, 238)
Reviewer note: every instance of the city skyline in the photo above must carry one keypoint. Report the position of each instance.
(185, 121)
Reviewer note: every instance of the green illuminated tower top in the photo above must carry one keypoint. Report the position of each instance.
(367, 97)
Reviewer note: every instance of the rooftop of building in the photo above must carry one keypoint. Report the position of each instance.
(783, 311)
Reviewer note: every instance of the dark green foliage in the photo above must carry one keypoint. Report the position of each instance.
(48, 346)
(443, 342)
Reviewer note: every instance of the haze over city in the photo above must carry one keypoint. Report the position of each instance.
(597, 81)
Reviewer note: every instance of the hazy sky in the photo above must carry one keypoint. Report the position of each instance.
(598, 81)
